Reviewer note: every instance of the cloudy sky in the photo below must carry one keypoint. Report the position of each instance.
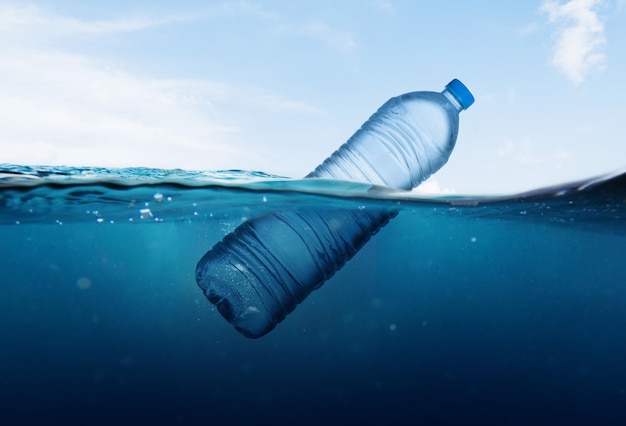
(278, 85)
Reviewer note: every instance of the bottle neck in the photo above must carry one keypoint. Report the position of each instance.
(453, 100)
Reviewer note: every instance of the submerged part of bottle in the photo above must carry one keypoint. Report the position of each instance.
(261, 271)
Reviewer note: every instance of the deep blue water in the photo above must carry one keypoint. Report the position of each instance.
(462, 310)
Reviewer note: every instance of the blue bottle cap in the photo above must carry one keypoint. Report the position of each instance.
(462, 93)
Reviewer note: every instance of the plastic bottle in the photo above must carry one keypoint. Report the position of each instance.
(258, 274)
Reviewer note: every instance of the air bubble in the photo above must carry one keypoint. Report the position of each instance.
(145, 213)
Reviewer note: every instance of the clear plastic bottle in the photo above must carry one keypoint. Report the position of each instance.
(408, 139)
(258, 274)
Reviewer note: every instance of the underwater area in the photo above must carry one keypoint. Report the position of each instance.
(507, 310)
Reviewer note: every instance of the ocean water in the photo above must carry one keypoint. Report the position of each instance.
(463, 310)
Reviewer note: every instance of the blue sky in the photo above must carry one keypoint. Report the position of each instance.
(277, 86)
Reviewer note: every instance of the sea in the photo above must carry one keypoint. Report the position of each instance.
(462, 310)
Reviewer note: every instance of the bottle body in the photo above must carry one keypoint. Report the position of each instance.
(408, 139)
(268, 265)
(258, 274)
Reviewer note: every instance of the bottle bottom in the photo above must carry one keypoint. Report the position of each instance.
(226, 287)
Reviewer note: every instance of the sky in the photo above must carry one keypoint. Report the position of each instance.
(276, 85)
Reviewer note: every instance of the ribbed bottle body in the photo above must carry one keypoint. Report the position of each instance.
(402, 144)
(261, 271)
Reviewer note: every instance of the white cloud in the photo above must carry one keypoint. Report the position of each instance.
(25, 18)
(580, 39)
(432, 187)
(58, 107)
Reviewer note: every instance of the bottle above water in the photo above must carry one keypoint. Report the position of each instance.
(408, 139)
(262, 270)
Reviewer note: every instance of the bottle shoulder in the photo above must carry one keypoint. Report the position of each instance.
(421, 109)
(414, 102)
(435, 99)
